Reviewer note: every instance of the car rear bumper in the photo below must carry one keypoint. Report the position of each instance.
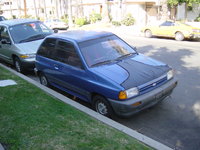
(127, 108)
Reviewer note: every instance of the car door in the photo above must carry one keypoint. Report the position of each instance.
(166, 29)
(6, 46)
(68, 70)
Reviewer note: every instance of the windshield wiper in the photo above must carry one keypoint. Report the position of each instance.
(34, 37)
(124, 56)
(103, 62)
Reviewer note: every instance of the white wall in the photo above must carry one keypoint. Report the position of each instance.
(191, 15)
(194, 13)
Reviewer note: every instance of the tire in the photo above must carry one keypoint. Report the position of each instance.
(179, 36)
(18, 65)
(102, 106)
(43, 80)
(148, 33)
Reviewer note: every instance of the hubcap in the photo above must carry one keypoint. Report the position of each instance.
(148, 33)
(17, 66)
(102, 109)
(43, 81)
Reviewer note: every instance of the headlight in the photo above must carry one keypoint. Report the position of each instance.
(128, 93)
(170, 74)
(28, 56)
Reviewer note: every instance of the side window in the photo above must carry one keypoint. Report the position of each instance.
(47, 48)
(4, 34)
(167, 23)
(66, 53)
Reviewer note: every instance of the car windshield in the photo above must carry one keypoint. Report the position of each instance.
(105, 50)
(2, 18)
(29, 32)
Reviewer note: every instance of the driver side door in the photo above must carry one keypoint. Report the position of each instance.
(6, 44)
(165, 29)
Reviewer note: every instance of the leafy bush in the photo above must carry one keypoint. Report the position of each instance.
(116, 23)
(197, 19)
(65, 20)
(94, 17)
(128, 20)
(80, 21)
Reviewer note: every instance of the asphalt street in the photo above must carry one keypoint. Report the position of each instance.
(176, 121)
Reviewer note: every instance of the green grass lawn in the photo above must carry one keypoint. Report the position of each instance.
(32, 119)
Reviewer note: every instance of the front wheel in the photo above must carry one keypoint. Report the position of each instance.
(179, 36)
(18, 65)
(102, 106)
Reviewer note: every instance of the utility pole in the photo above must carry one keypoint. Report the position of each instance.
(25, 11)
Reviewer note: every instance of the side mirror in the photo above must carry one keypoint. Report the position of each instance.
(55, 30)
(4, 41)
(134, 47)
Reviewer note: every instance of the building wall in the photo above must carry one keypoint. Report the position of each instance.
(83, 8)
(191, 15)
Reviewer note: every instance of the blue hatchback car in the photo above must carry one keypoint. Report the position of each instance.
(102, 69)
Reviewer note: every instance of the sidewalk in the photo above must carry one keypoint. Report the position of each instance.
(1, 147)
(134, 30)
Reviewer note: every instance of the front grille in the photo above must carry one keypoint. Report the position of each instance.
(152, 85)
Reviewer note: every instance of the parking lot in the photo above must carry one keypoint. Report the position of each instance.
(176, 121)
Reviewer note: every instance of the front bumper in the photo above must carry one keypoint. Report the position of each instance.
(126, 108)
(195, 36)
(28, 64)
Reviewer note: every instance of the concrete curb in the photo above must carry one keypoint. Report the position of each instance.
(144, 139)
(1, 147)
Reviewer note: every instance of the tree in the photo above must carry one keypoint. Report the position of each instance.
(105, 12)
(35, 8)
(165, 15)
(25, 10)
(188, 3)
(70, 22)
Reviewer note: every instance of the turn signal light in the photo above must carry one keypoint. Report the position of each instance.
(137, 104)
(122, 95)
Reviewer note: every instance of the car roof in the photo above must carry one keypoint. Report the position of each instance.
(16, 21)
(81, 35)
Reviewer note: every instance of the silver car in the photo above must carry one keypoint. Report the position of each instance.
(19, 41)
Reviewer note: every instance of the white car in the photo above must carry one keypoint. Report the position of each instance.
(56, 24)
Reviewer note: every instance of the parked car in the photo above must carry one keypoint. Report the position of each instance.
(177, 30)
(2, 18)
(102, 69)
(56, 24)
(20, 39)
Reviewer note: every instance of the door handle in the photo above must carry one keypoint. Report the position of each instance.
(56, 67)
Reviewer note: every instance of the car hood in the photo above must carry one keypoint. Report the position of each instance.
(134, 71)
(29, 47)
